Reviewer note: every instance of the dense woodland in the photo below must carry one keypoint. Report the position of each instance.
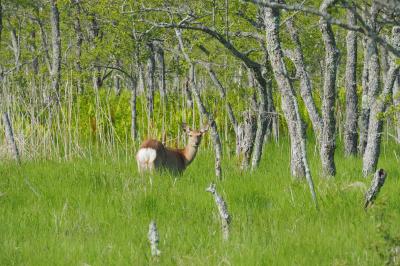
(318, 81)
(118, 71)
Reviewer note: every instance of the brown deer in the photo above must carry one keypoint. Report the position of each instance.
(153, 155)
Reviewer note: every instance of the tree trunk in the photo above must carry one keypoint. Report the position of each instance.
(373, 64)
(250, 78)
(247, 141)
(78, 52)
(1, 19)
(117, 79)
(213, 125)
(299, 163)
(372, 150)
(372, 86)
(159, 55)
(45, 45)
(56, 46)
(305, 83)
(350, 128)
(15, 46)
(133, 84)
(396, 102)
(272, 116)
(10, 136)
(285, 87)
(161, 69)
(329, 95)
(32, 49)
(364, 116)
(261, 86)
(150, 82)
(94, 34)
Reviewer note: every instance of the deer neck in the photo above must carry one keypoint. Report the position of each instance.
(190, 151)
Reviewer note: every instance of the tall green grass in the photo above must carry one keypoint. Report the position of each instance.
(97, 211)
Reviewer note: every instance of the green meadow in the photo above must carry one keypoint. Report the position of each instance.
(96, 210)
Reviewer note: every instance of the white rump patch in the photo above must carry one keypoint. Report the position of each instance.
(146, 155)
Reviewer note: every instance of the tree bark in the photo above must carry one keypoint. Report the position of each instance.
(350, 128)
(16, 47)
(246, 142)
(261, 121)
(1, 20)
(32, 49)
(10, 136)
(150, 81)
(364, 116)
(305, 83)
(371, 61)
(285, 87)
(299, 163)
(328, 143)
(372, 150)
(133, 84)
(161, 70)
(117, 79)
(78, 51)
(245, 132)
(396, 102)
(160, 63)
(56, 46)
(94, 34)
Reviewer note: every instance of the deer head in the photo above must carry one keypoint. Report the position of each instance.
(194, 135)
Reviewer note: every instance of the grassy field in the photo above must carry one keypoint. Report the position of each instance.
(97, 210)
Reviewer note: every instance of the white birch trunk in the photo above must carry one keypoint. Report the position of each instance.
(372, 150)
(350, 128)
(328, 143)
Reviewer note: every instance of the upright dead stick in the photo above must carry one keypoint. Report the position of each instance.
(153, 239)
(223, 211)
(377, 183)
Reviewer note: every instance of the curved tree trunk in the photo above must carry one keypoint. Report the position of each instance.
(299, 163)
(350, 128)
(305, 83)
(372, 150)
(285, 87)
(328, 143)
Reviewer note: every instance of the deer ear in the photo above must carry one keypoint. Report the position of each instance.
(205, 129)
(185, 127)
